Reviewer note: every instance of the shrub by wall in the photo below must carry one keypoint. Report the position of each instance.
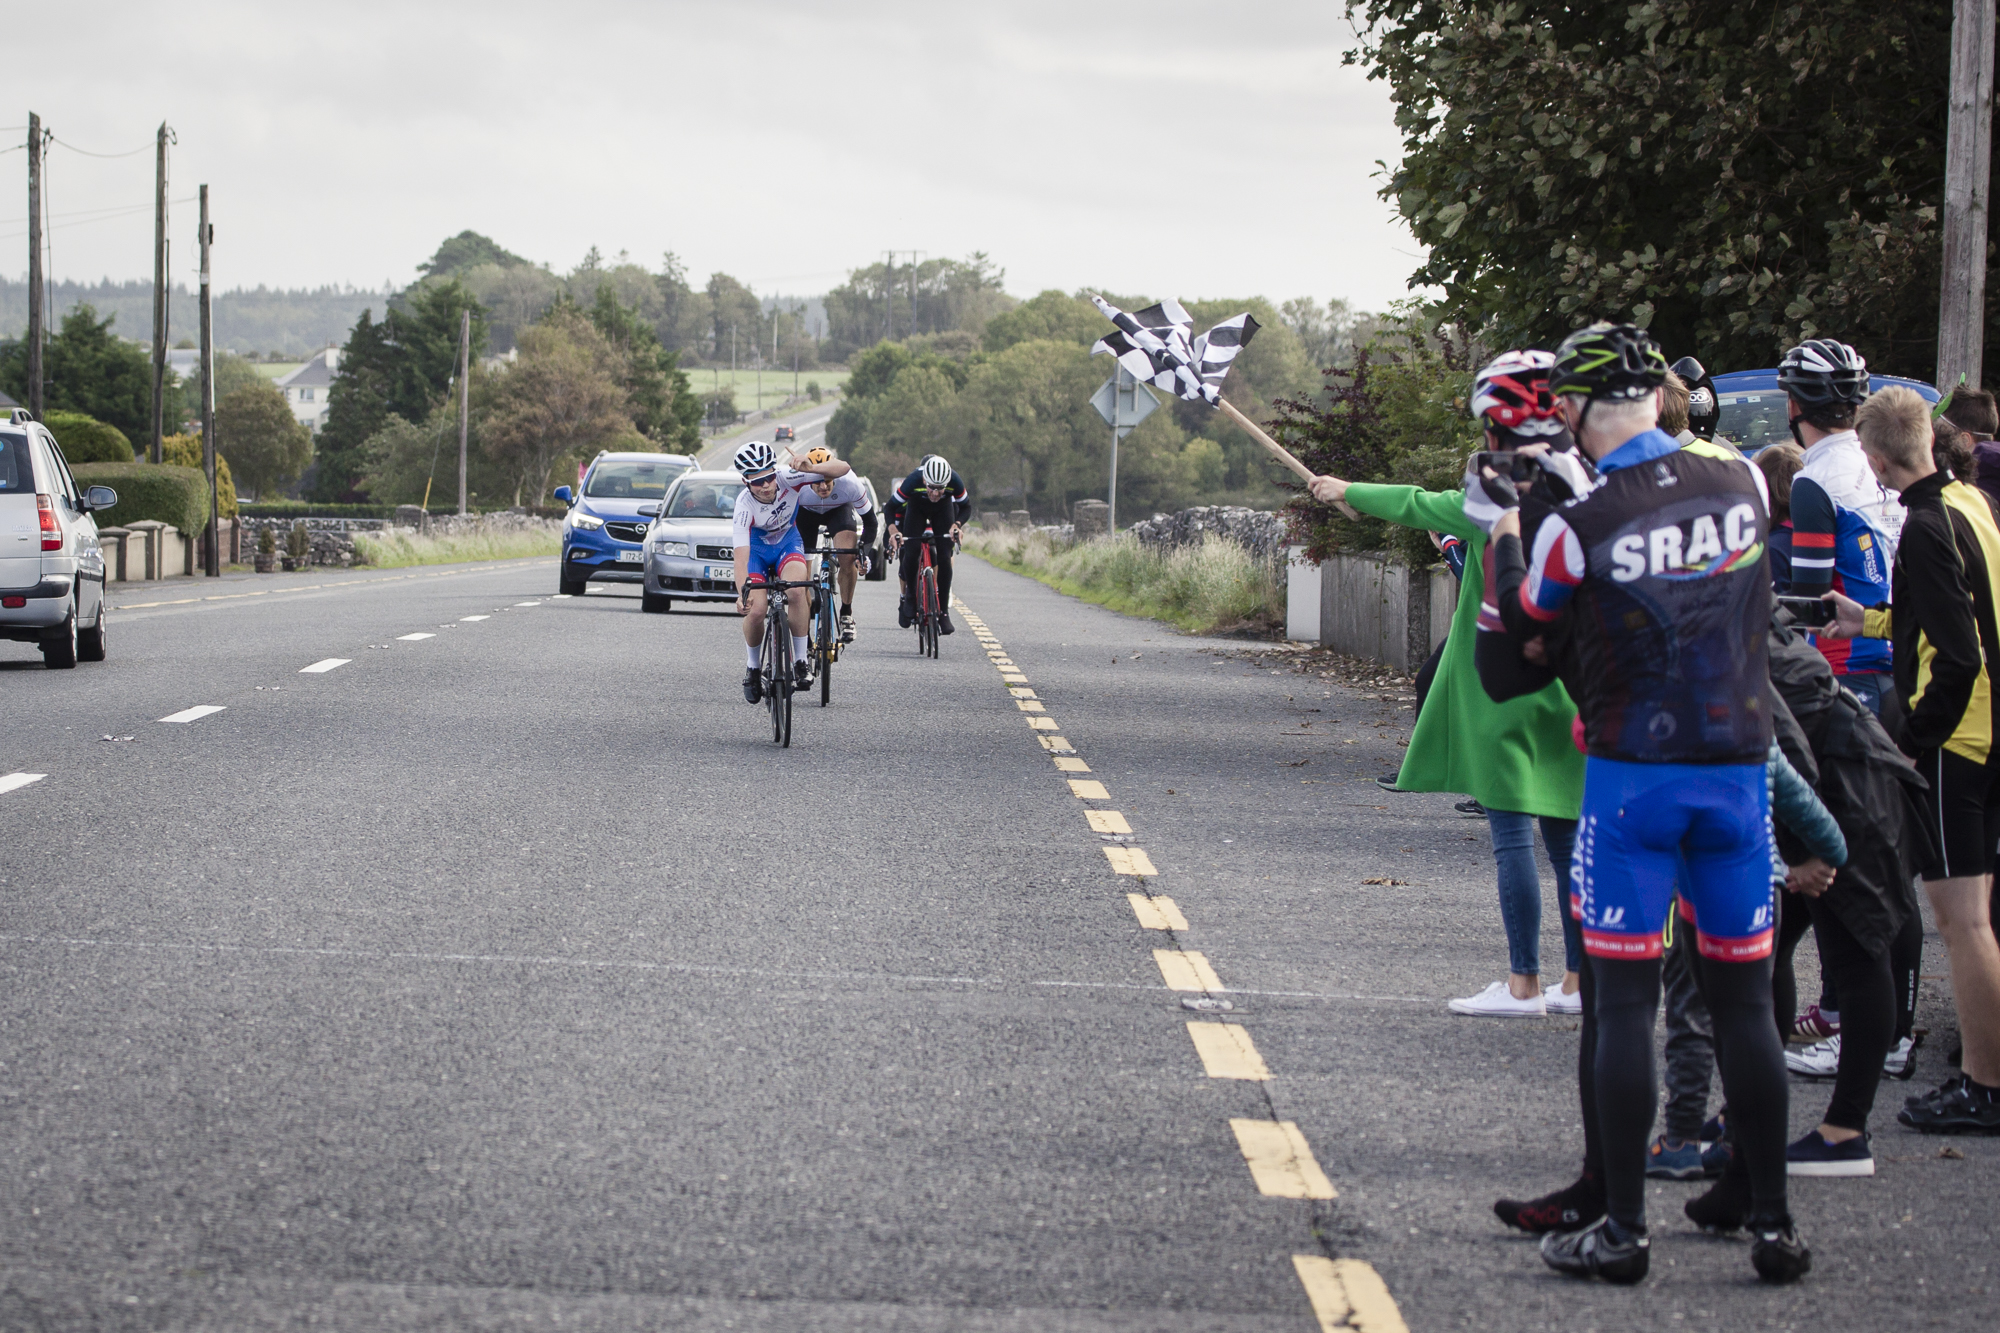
(164, 493)
(186, 451)
(85, 439)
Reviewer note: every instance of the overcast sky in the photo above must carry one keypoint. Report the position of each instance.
(1192, 149)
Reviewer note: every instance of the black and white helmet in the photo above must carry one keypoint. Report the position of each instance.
(755, 457)
(1822, 373)
(937, 472)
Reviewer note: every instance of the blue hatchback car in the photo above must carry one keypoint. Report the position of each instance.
(1753, 411)
(609, 514)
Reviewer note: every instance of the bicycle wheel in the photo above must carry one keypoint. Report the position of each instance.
(829, 646)
(784, 737)
(777, 672)
(931, 611)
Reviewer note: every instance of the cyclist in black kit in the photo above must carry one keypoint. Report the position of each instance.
(1660, 567)
(933, 497)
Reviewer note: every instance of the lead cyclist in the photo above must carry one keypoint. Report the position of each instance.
(767, 544)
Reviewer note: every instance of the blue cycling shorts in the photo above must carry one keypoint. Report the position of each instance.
(1639, 824)
(767, 557)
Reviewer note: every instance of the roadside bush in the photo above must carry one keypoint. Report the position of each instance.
(164, 493)
(85, 439)
(401, 547)
(185, 451)
(1217, 587)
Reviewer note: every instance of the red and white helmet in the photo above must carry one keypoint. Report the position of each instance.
(1512, 391)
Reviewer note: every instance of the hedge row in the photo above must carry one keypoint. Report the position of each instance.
(88, 440)
(162, 492)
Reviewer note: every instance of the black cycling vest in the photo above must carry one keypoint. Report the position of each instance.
(1668, 626)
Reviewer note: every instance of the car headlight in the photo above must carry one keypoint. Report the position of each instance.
(670, 548)
(586, 522)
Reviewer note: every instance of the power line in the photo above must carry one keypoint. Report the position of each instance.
(87, 153)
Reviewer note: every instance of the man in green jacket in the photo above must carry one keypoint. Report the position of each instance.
(1516, 758)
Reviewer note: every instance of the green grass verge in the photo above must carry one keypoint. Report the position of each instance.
(397, 550)
(1214, 588)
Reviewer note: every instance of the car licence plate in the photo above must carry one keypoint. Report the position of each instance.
(631, 557)
(718, 571)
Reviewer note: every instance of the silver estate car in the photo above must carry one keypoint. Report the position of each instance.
(691, 547)
(51, 566)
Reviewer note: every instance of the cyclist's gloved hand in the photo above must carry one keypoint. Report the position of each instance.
(1565, 477)
(1488, 495)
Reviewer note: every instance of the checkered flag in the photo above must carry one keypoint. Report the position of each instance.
(1153, 346)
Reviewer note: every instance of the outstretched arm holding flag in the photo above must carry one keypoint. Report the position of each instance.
(1153, 346)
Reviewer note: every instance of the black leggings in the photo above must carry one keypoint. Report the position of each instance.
(1747, 1050)
(1793, 919)
(1867, 1016)
(1586, 1060)
(1425, 675)
(1906, 958)
(940, 556)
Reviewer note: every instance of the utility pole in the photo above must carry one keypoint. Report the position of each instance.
(160, 269)
(464, 397)
(914, 254)
(889, 297)
(1967, 148)
(212, 557)
(36, 315)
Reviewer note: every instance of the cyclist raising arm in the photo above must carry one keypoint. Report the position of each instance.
(767, 543)
(933, 497)
(838, 505)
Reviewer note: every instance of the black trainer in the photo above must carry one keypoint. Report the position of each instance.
(944, 623)
(905, 615)
(1722, 1208)
(1777, 1253)
(1596, 1252)
(753, 686)
(1571, 1208)
(802, 675)
(1959, 1107)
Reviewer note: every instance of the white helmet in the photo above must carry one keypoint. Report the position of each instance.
(937, 472)
(755, 457)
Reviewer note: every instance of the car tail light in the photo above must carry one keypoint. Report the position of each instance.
(13, 603)
(52, 538)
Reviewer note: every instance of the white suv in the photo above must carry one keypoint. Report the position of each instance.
(51, 566)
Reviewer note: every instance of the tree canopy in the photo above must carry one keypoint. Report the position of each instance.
(269, 447)
(1736, 176)
(89, 369)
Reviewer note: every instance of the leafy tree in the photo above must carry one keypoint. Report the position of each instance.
(269, 445)
(1052, 315)
(662, 402)
(88, 369)
(359, 404)
(186, 451)
(87, 440)
(232, 372)
(934, 296)
(1734, 176)
(914, 416)
(737, 320)
(564, 396)
(405, 459)
(468, 250)
(1330, 334)
(685, 314)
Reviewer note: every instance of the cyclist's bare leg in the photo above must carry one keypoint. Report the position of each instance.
(796, 602)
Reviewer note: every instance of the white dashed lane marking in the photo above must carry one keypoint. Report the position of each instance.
(472, 618)
(192, 714)
(14, 781)
(412, 638)
(320, 668)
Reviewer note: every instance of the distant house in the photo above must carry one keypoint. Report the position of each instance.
(306, 388)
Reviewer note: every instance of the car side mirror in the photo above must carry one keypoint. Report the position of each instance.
(649, 511)
(99, 497)
(564, 494)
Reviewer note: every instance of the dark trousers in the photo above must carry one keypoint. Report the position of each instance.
(1867, 1016)
(1690, 1039)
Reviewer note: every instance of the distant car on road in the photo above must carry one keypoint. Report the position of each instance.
(1752, 406)
(691, 551)
(51, 565)
(784, 435)
(604, 533)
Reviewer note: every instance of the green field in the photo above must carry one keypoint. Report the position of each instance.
(777, 384)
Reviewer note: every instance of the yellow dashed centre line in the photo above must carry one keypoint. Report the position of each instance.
(1085, 789)
(1129, 861)
(1280, 1161)
(1226, 1051)
(1070, 764)
(1029, 705)
(1106, 821)
(1186, 971)
(1156, 913)
(1057, 745)
(1347, 1294)
(1041, 723)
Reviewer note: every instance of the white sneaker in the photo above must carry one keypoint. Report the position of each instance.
(1896, 1064)
(1496, 1001)
(1819, 1060)
(1560, 1003)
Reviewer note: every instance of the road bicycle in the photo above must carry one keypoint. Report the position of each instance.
(776, 671)
(924, 588)
(823, 629)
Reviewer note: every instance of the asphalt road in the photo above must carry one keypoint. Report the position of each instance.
(809, 422)
(510, 978)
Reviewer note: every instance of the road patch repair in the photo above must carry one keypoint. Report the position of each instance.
(1343, 1293)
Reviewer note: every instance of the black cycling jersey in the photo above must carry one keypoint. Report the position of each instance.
(1663, 570)
(910, 509)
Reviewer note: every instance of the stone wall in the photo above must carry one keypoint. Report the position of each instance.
(1259, 531)
(332, 539)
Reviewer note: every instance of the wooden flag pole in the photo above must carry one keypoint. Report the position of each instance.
(1278, 451)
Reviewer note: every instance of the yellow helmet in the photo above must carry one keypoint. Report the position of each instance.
(819, 453)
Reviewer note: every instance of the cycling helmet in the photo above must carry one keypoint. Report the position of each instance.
(1704, 409)
(1512, 392)
(1822, 373)
(819, 453)
(937, 472)
(755, 457)
(1608, 361)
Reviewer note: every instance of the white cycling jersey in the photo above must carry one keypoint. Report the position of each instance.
(771, 520)
(847, 490)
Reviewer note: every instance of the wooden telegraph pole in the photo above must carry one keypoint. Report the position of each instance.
(464, 398)
(159, 291)
(1967, 153)
(36, 315)
(212, 557)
